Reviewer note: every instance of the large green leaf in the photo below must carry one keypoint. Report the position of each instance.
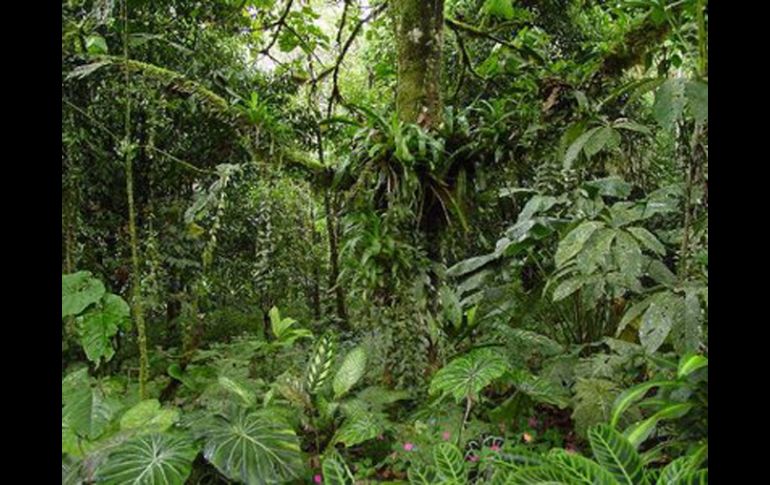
(574, 241)
(153, 459)
(99, 324)
(581, 469)
(593, 403)
(627, 254)
(669, 102)
(78, 291)
(638, 432)
(632, 395)
(449, 464)
(253, 449)
(648, 239)
(690, 363)
(697, 94)
(86, 410)
(350, 372)
(657, 321)
(567, 287)
(247, 396)
(577, 146)
(466, 376)
(540, 475)
(359, 427)
(616, 454)
(335, 471)
(148, 416)
(604, 137)
(612, 186)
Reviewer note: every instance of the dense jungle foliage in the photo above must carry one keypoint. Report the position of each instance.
(403, 241)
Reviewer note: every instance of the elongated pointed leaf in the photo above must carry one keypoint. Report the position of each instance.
(449, 463)
(336, 472)
(690, 363)
(350, 372)
(582, 470)
(637, 433)
(616, 454)
(577, 146)
(632, 395)
(574, 241)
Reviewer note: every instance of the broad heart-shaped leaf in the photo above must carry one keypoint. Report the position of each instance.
(99, 324)
(78, 291)
(616, 454)
(466, 376)
(450, 466)
(147, 416)
(350, 372)
(253, 449)
(153, 459)
(335, 471)
(669, 102)
(581, 469)
(574, 241)
(86, 410)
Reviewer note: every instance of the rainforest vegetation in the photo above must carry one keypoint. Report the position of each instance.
(397, 241)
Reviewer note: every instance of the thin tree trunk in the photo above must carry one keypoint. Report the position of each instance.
(136, 296)
(332, 228)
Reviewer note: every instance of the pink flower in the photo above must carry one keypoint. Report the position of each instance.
(472, 458)
(317, 479)
(494, 448)
(446, 435)
(408, 446)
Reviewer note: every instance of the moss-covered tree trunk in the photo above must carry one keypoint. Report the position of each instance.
(419, 37)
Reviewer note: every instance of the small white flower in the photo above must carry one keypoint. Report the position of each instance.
(415, 35)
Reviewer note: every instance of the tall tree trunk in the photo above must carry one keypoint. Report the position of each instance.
(419, 38)
(332, 228)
